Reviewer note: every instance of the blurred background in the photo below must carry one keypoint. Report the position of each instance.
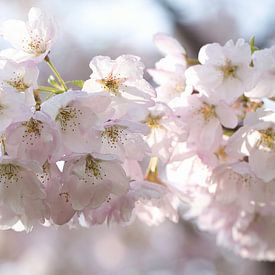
(113, 27)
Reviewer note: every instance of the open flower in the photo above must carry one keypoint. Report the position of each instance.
(21, 193)
(256, 139)
(239, 207)
(122, 138)
(169, 71)
(31, 40)
(154, 202)
(164, 129)
(35, 139)
(12, 108)
(90, 179)
(116, 209)
(204, 120)
(264, 62)
(58, 199)
(225, 72)
(122, 79)
(75, 114)
(21, 78)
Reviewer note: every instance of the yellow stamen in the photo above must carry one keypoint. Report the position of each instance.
(208, 111)
(111, 84)
(153, 121)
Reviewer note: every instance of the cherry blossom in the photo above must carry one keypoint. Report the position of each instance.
(90, 179)
(205, 120)
(155, 203)
(122, 79)
(235, 205)
(256, 140)
(123, 139)
(169, 71)
(58, 198)
(229, 68)
(34, 139)
(31, 40)
(12, 108)
(117, 150)
(264, 62)
(22, 196)
(75, 114)
(21, 78)
(165, 128)
(116, 209)
(151, 202)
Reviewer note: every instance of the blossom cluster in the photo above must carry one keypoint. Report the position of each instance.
(75, 156)
(223, 162)
(112, 147)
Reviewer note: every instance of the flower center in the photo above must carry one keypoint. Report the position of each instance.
(33, 126)
(32, 131)
(153, 121)
(18, 83)
(67, 117)
(221, 154)
(33, 44)
(208, 111)
(2, 108)
(113, 135)
(93, 166)
(9, 172)
(65, 196)
(228, 69)
(179, 88)
(267, 138)
(111, 84)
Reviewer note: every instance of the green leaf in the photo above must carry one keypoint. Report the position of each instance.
(78, 83)
(253, 48)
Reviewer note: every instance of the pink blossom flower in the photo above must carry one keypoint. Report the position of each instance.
(225, 72)
(165, 128)
(123, 139)
(116, 209)
(31, 40)
(220, 153)
(123, 80)
(12, 108)
(238, 207)
(169, 46)
(35, 139)
(264, 62)
(90, 179)
(204, 120)
(58, 199)
(21, 78)
(169, 71)
(21, 194)
(256, 140)
(154, 202)
(75, 114)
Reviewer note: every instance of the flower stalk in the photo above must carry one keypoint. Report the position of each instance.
(58, 76)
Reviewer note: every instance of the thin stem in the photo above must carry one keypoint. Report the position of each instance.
(58, 76)
(153, 165)
(152, 171)
(49, 89)
(37, 100)
(3, 146)
(192, 61)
